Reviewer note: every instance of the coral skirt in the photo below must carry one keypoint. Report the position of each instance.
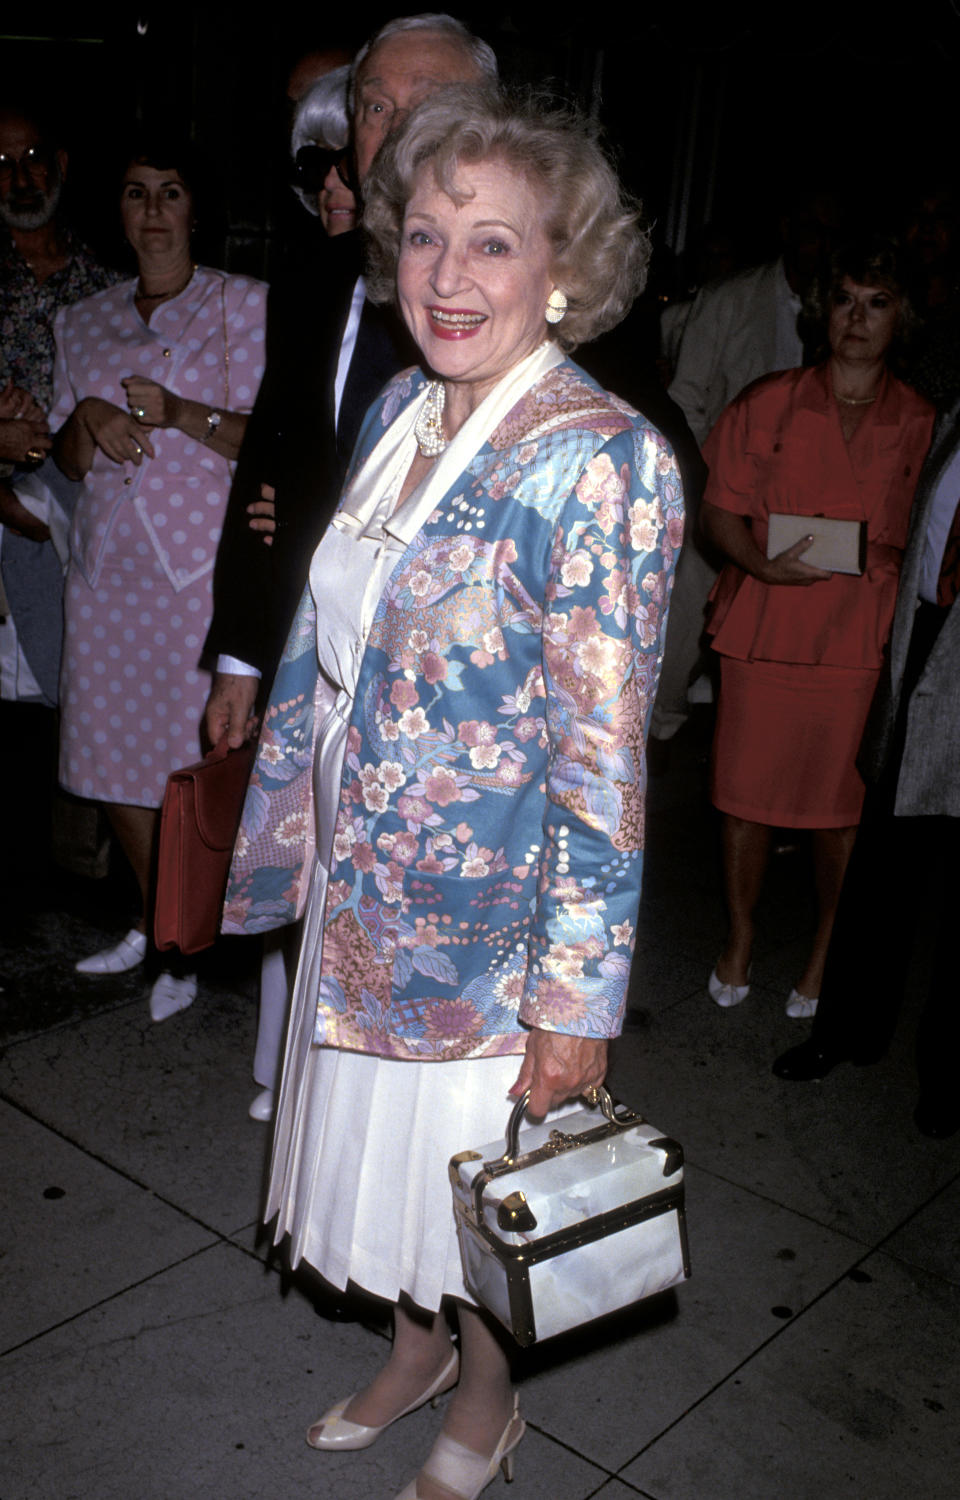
(786, 741)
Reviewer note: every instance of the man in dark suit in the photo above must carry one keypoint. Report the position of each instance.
(329, 352)
(904, 874)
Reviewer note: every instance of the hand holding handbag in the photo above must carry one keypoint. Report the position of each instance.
(198, 824)
(572, 1220)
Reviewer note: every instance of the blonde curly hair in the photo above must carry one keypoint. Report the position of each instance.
(601, 251)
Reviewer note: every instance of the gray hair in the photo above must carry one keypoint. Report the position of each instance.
(321, 117)
(438, 24)
(600, 250)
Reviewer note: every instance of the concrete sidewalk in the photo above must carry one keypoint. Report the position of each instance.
(153, 1349)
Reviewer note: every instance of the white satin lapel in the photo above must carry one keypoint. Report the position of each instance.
(384, 469)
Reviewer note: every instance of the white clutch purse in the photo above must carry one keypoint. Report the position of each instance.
(838, 546)
(567, 1224)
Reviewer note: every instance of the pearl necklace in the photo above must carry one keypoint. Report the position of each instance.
(428, 428)
(855, 400)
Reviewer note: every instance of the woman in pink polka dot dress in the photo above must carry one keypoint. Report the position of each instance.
(154, 381)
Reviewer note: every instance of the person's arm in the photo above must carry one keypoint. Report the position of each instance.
(95, 423)
(603, 628)
(16, 517)
(162, 408)
(732, 535)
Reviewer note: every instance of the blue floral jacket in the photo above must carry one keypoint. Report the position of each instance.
(489, 845)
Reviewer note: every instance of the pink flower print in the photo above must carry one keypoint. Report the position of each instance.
(392, 774)
(527, 454)
(419, 583)
(375, 798)
(556, 1003)
(493, 642)
(510, 773)
(563, 962)
(644, 517)
(441, 786)
(414, 723)
(451, 1019)
(271, 752)
(414, 809)
(427, 935)
(461, 557)
(675, 532)
(431, 864)
(577, 570)
(404, 847)
(342, 844)
(476, 862)
(433, 667)
(583, 623)
(622, 934)
(403, 693)
(607, 516)
(598, 656)
(390, 730)
(600, 481)
(353, 740)
(526, 728)
(476, 732)
(292, 829)
(509, 988)
(389, 882)
(463, 833)
(484, 757)
(364, 857)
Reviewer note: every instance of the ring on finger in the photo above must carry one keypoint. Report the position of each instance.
(138, 412)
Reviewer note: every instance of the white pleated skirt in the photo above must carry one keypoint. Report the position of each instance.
(377, 1210)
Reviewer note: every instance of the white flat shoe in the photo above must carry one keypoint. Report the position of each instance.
(464, 1473)
(262, 1106)
(129, 952)
(170, 994)
(726, 994)
(334, 1432)
(801, 1007)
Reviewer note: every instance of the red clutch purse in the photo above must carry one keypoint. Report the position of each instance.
(198, 824)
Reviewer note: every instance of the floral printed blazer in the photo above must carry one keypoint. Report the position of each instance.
(489, 841)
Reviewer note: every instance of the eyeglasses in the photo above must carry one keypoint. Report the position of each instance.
(30, 163)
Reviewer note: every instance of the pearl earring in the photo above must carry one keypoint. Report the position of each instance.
(556, 306)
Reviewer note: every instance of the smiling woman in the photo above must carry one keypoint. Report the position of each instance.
(487, 609)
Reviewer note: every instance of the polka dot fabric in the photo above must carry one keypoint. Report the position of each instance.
(138, 596)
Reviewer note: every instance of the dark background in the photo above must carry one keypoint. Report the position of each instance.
(714, 111)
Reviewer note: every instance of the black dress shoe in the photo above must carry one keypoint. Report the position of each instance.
(936, 1120)
(805, 1063)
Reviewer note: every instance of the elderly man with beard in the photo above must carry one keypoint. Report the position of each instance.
(43, 266)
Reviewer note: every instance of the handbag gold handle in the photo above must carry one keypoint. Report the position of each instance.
(593, 1096)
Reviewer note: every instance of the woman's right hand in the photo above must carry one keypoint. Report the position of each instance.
(23, 441)
(788, 567)
(115, 432)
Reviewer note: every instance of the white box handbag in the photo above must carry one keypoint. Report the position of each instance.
(569, 1223)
